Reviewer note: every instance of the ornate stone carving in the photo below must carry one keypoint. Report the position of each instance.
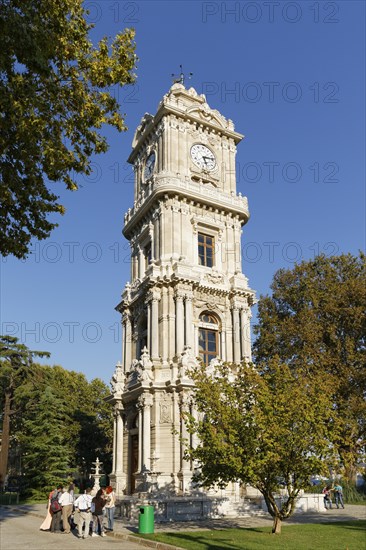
(215, 278)
(141, 371)
(186, 361)
(118, 381)
(165, 411)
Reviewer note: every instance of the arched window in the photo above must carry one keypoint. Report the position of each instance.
(208, 337)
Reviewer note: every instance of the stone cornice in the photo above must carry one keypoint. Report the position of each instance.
(167, 186)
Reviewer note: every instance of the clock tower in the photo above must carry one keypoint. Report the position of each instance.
(187, 298)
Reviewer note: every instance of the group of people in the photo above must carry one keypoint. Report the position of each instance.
(338, 496)
(85, 513)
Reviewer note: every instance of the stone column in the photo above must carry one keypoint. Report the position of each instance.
(242, 332)
(154, 328)
(223, 345)
(136, 265)
(119, 439)
(146, 423)
(236, 334)
(139, 408)
(188, 321)
(179, 323)
(184, 407)
(245, 328)
(164, 340)
(162, 223)
(237, 240)
(141, 262)
(148, 345)
(156, 252)
(128, 342)
(115, 416)
(152, 241)
(171, 324)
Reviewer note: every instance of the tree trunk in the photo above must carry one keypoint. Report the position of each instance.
(4, 453)
(277, 524)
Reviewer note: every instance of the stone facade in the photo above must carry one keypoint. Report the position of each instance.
(187, 296)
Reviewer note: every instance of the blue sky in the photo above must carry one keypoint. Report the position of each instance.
(291, 76)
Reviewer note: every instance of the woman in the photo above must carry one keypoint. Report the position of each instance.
(46, 525)
(99, 502)
(110, 507)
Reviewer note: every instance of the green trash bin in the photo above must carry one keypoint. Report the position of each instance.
(146, 519)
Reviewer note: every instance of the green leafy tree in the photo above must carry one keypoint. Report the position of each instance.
(55, 98)
(270, 431)
(77, 418)
(96, 428)
(315, 321)
(86, 430)
(46, 455)
(91, 431)
(16, 362)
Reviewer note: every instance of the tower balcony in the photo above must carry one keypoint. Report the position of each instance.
(201, 192)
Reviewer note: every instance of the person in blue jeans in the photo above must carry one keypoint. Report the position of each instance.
(327, 497)
(110, 507)
(338, 495)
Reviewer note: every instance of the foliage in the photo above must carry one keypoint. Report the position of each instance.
(86, 429)
(16, 362)
(265, 430)
(55, 98)
(326, 536)
(46, 457)
(57, 419)
(96, 428)
(315, 321)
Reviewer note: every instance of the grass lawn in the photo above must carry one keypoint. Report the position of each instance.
(343, 535)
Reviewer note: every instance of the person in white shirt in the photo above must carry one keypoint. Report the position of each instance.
(83, 513)
(66, 500)
(110, 507)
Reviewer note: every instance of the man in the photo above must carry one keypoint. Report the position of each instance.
(66, 500)
(338, 495)
(55, 510)
(83, 513)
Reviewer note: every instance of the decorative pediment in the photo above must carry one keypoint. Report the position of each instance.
(204, 113)
(145, 121)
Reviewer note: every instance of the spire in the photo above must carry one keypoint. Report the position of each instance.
(180, 78)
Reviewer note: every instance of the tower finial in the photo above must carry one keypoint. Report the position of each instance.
(180, 78)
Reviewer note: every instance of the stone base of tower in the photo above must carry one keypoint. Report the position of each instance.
(200, 507)
(187, 508)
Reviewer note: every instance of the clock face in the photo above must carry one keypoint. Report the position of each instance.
(149, 166)
(203, 157)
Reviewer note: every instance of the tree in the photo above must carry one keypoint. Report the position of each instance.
(90, 432)
(16, 362)
(96, 428)
(315, 322)
(46, 456)
(55, 98)
(269, 430)
(85, 427)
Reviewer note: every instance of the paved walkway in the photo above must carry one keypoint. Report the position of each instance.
(124, 529)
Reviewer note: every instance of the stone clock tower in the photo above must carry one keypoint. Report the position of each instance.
(187, 297)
